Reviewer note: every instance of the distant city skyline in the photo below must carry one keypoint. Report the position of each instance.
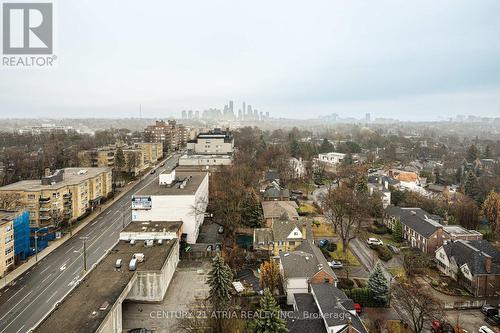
(424, 60)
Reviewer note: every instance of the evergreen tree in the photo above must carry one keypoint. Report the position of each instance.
(377, 284)
(471, 185)
(397, 232)
(268, 318)
(119, 159)
(326, 147)
(294, 148)
(219, 279)
(251, 214)
(472, 153)
(487, 152)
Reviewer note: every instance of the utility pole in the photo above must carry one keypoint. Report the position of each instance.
(84, 253)
(36, 246)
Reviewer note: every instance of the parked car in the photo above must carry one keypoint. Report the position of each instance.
(485, 329)
(493, 320)
(358, 308)
(163, 164)
(323, 242)
(218, 247)
(374, 241)
(220, 230)
(394, 249)
(441, 327)
(335, 264)
(140, 330)
(489, 310)
(209, 248)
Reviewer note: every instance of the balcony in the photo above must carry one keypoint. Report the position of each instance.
(67, 195)
(67, 203)
(45, 217)
(44, 209)
(67, 212)
(43, 200)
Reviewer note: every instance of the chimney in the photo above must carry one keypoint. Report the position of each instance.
(47, 172)
(304, 231)
(487, 263)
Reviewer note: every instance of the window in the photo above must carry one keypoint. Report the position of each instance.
(327, 280)
(9, 261)
(8, 239)
(9, 250)
(31, 197)
(291, 243)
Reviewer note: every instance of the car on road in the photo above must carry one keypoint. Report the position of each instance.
(323, 243)
(163, 164)
(485, 329)
(374, 241)
(493, 320)
(152, 172)
(335, 264)
(489, 310)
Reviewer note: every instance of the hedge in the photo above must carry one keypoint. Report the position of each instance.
(382, 251)
(362, 296)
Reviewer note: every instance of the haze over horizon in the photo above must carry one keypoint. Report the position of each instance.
(423, 60)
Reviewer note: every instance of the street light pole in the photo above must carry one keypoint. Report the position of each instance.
(36, 246)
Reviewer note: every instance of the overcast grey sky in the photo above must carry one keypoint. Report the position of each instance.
(411, 60)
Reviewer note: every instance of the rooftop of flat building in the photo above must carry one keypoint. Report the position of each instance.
(156, 226)
(72, 176)
(82, 310)
(205, 157)
(192, 181)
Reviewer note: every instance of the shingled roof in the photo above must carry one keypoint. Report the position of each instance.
(417, 219)
(474, 254)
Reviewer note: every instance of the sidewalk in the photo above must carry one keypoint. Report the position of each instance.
(6, 280)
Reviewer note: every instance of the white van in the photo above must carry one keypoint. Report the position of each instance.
(132, 266)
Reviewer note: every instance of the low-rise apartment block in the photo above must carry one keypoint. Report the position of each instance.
(151, 151)
(134, 158)
(423, 230)
(7, 251)
(169, 133)
(215, 142)
(65, 195)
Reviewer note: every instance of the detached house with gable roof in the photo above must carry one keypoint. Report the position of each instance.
(303, 266)
(478, 263)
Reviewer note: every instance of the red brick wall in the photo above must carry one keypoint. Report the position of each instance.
(321, 276)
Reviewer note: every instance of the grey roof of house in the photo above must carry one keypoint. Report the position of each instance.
(416, 218)
(283, 228)
(305, 303)
(304, 262)
(297, 325)
(274, 209)
(332, 303)
(473, 253)
(273, 192)
(272, 175)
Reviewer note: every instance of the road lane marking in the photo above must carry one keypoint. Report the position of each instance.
(17, 292)
(22, 299)
(46, 268)
(48, 299)
(48, 276)
(72, 248)
(20, 329)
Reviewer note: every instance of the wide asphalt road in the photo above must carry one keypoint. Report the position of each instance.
(34, 293)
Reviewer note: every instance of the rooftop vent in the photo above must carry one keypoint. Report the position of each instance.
(104, 306)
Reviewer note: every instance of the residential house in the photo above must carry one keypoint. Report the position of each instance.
(304, 266)
(298, 170)
(283, 235)
(276, 193)
(474, 264)
(276, 209)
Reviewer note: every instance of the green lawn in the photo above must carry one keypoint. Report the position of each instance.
(323, 230)
(341, 256)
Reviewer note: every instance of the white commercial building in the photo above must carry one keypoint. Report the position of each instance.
(331, 158)
(181, 196)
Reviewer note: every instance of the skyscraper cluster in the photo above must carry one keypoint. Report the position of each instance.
(246, 113)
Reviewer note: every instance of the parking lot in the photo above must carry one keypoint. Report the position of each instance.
(187, 284)
(469, 320)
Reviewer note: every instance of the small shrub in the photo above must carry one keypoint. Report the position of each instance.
(326, 253)
(382, 251)
(345, 283)
(332, 247)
